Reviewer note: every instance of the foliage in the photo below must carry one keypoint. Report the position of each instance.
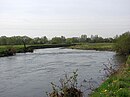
(122, 45)
(68, 87)
(94, 46)
(18, 40)
(72, 40)
(128, 60)
(83, 38)
(7, 51)
(37, 40)
(58, 40)
(29, 48)
(116, 85)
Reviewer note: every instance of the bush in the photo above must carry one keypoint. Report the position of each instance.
(122, 45)
(128, 60)
(8, 51)
(68, 87)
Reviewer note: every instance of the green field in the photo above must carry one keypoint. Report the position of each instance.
(7, 49)
(87, 46)
(94, 46)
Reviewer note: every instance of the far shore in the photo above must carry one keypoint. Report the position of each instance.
(10, 50)
(94, 46)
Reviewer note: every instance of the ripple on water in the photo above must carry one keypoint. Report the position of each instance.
(28, 75)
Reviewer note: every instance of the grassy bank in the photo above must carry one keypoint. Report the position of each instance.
(40, 46)
(128, 60)
(9, 50)
(117, 85)
(94, 46)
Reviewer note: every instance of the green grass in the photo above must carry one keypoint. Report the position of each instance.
(128, 60)
(7, 50)
(2, 48)
(117, 85)
(20, 48)
(16, 47)
(94, 46)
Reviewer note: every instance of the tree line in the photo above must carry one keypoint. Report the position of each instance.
(19, 40)
(121, 42)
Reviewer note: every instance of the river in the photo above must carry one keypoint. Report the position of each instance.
(30, 74)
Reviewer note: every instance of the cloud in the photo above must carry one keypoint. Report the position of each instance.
(64, 17)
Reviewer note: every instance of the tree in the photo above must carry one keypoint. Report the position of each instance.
(83, 38)
(3, 40)
(58, 40)
(44, 40)
(122, 45)
(63, 39)
(37, 40)
(72, 40)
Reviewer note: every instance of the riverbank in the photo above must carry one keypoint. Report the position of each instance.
(117, 85)
(32, 73)
(9, 50)
(94, 46)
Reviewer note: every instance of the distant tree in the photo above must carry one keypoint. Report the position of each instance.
(63, 39)
(122, 45)
(15, 40)
(96, 39)
(24, 40)
(108, 40)
(44, 40)
(72, 40)
(18, 40)
(115, 38)
(3, 40)
(37, 40)
(75, 39)
(56, 40)
(83, 38)
(69, 40)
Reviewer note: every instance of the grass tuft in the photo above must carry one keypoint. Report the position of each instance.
(117, 85)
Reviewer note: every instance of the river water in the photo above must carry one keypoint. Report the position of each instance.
(30, 74)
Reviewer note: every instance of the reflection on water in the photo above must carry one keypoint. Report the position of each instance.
(30, 74)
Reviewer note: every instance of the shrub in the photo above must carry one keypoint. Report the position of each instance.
(128, 60)
(8, 51)
(68, 87)
(122, 45)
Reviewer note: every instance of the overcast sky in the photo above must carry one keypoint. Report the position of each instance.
(64, 17)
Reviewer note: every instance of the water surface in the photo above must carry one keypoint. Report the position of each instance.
(30, 74)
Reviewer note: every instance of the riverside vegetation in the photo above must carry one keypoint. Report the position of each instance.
(11, 45)
(9, 50)
(94, 46)
(68, 87)
(117, 84)
(12, 50)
